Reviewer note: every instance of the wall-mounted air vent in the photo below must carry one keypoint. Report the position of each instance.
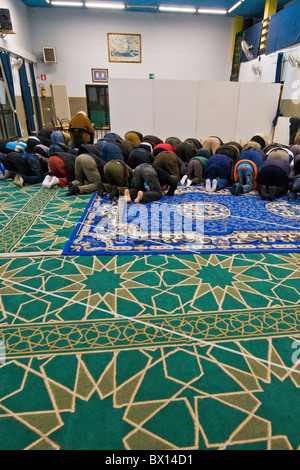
(49, 55)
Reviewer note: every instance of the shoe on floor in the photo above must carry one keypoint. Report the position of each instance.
(272, 193)
(114, 193)
(263, 192)
(100, 189)
(236, 189)
(72, 190)
(18, 181)
(292, 196)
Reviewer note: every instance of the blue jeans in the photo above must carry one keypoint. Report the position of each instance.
(31, 169)
(245, 176)
(222, 183)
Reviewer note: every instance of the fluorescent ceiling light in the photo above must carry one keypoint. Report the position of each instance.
(177, 9)
(117, 6)
(212, 11)
(67, 4)
(235, 6)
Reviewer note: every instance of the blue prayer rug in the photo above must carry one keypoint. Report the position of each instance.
(190, 221)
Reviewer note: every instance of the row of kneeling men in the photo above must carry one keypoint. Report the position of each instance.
(142, 168)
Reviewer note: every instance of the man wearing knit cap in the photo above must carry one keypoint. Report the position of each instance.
(261, 139)
(134, 137)
(185, 151)
(163, 148)
(147, 146)
(110, 151)
(139, 156)
(211, 144)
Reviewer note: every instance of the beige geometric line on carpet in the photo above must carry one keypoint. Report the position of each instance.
(176, 333)
(30, 254)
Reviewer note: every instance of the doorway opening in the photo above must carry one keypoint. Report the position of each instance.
(98, 106)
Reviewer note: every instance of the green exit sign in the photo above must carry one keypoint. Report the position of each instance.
(151, 76)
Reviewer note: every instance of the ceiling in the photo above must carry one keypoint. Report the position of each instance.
(249, 8)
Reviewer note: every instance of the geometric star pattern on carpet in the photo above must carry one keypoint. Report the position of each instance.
(235, 387)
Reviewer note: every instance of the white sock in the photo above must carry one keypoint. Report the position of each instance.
(188, 183)
(183, 179)
(207, 185)
(54, 181)
(46, 181)
(214, 185)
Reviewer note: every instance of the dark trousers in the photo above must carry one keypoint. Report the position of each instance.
(194, 171)
(142, 174)
(272, 176)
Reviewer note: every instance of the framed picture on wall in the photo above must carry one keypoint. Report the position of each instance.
(99, 75)
(124, 47)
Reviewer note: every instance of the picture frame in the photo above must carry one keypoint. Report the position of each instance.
(100, 75)
(124, 47)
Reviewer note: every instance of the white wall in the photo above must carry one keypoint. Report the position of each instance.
(174, 46)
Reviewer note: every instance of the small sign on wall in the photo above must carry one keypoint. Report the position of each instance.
(99, 75)
(43, 78)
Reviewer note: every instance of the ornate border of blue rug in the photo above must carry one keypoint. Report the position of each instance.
(190, 221)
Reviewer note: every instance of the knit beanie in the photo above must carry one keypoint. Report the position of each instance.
(42, 150)
(163, 148)
(134, 137)
(146, 146)
(174, 141)
(16, 146)
(297, 166)
(295, 149)
(89, 149)
(261, 139)
(32, 142)
(185, 151)
(57, 137)
(281, 153)
(153, 139)
(195, 142)
(110, 151)
(138, 156)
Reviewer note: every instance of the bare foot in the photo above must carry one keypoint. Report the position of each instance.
(127, 195)
(139, 197)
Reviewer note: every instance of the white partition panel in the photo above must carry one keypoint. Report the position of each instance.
(282, 131)
(217, 109)
(131, 105)
(257, 108)
(229, 110)
(175, 108)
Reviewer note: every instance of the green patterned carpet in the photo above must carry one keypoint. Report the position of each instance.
(112, 353)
